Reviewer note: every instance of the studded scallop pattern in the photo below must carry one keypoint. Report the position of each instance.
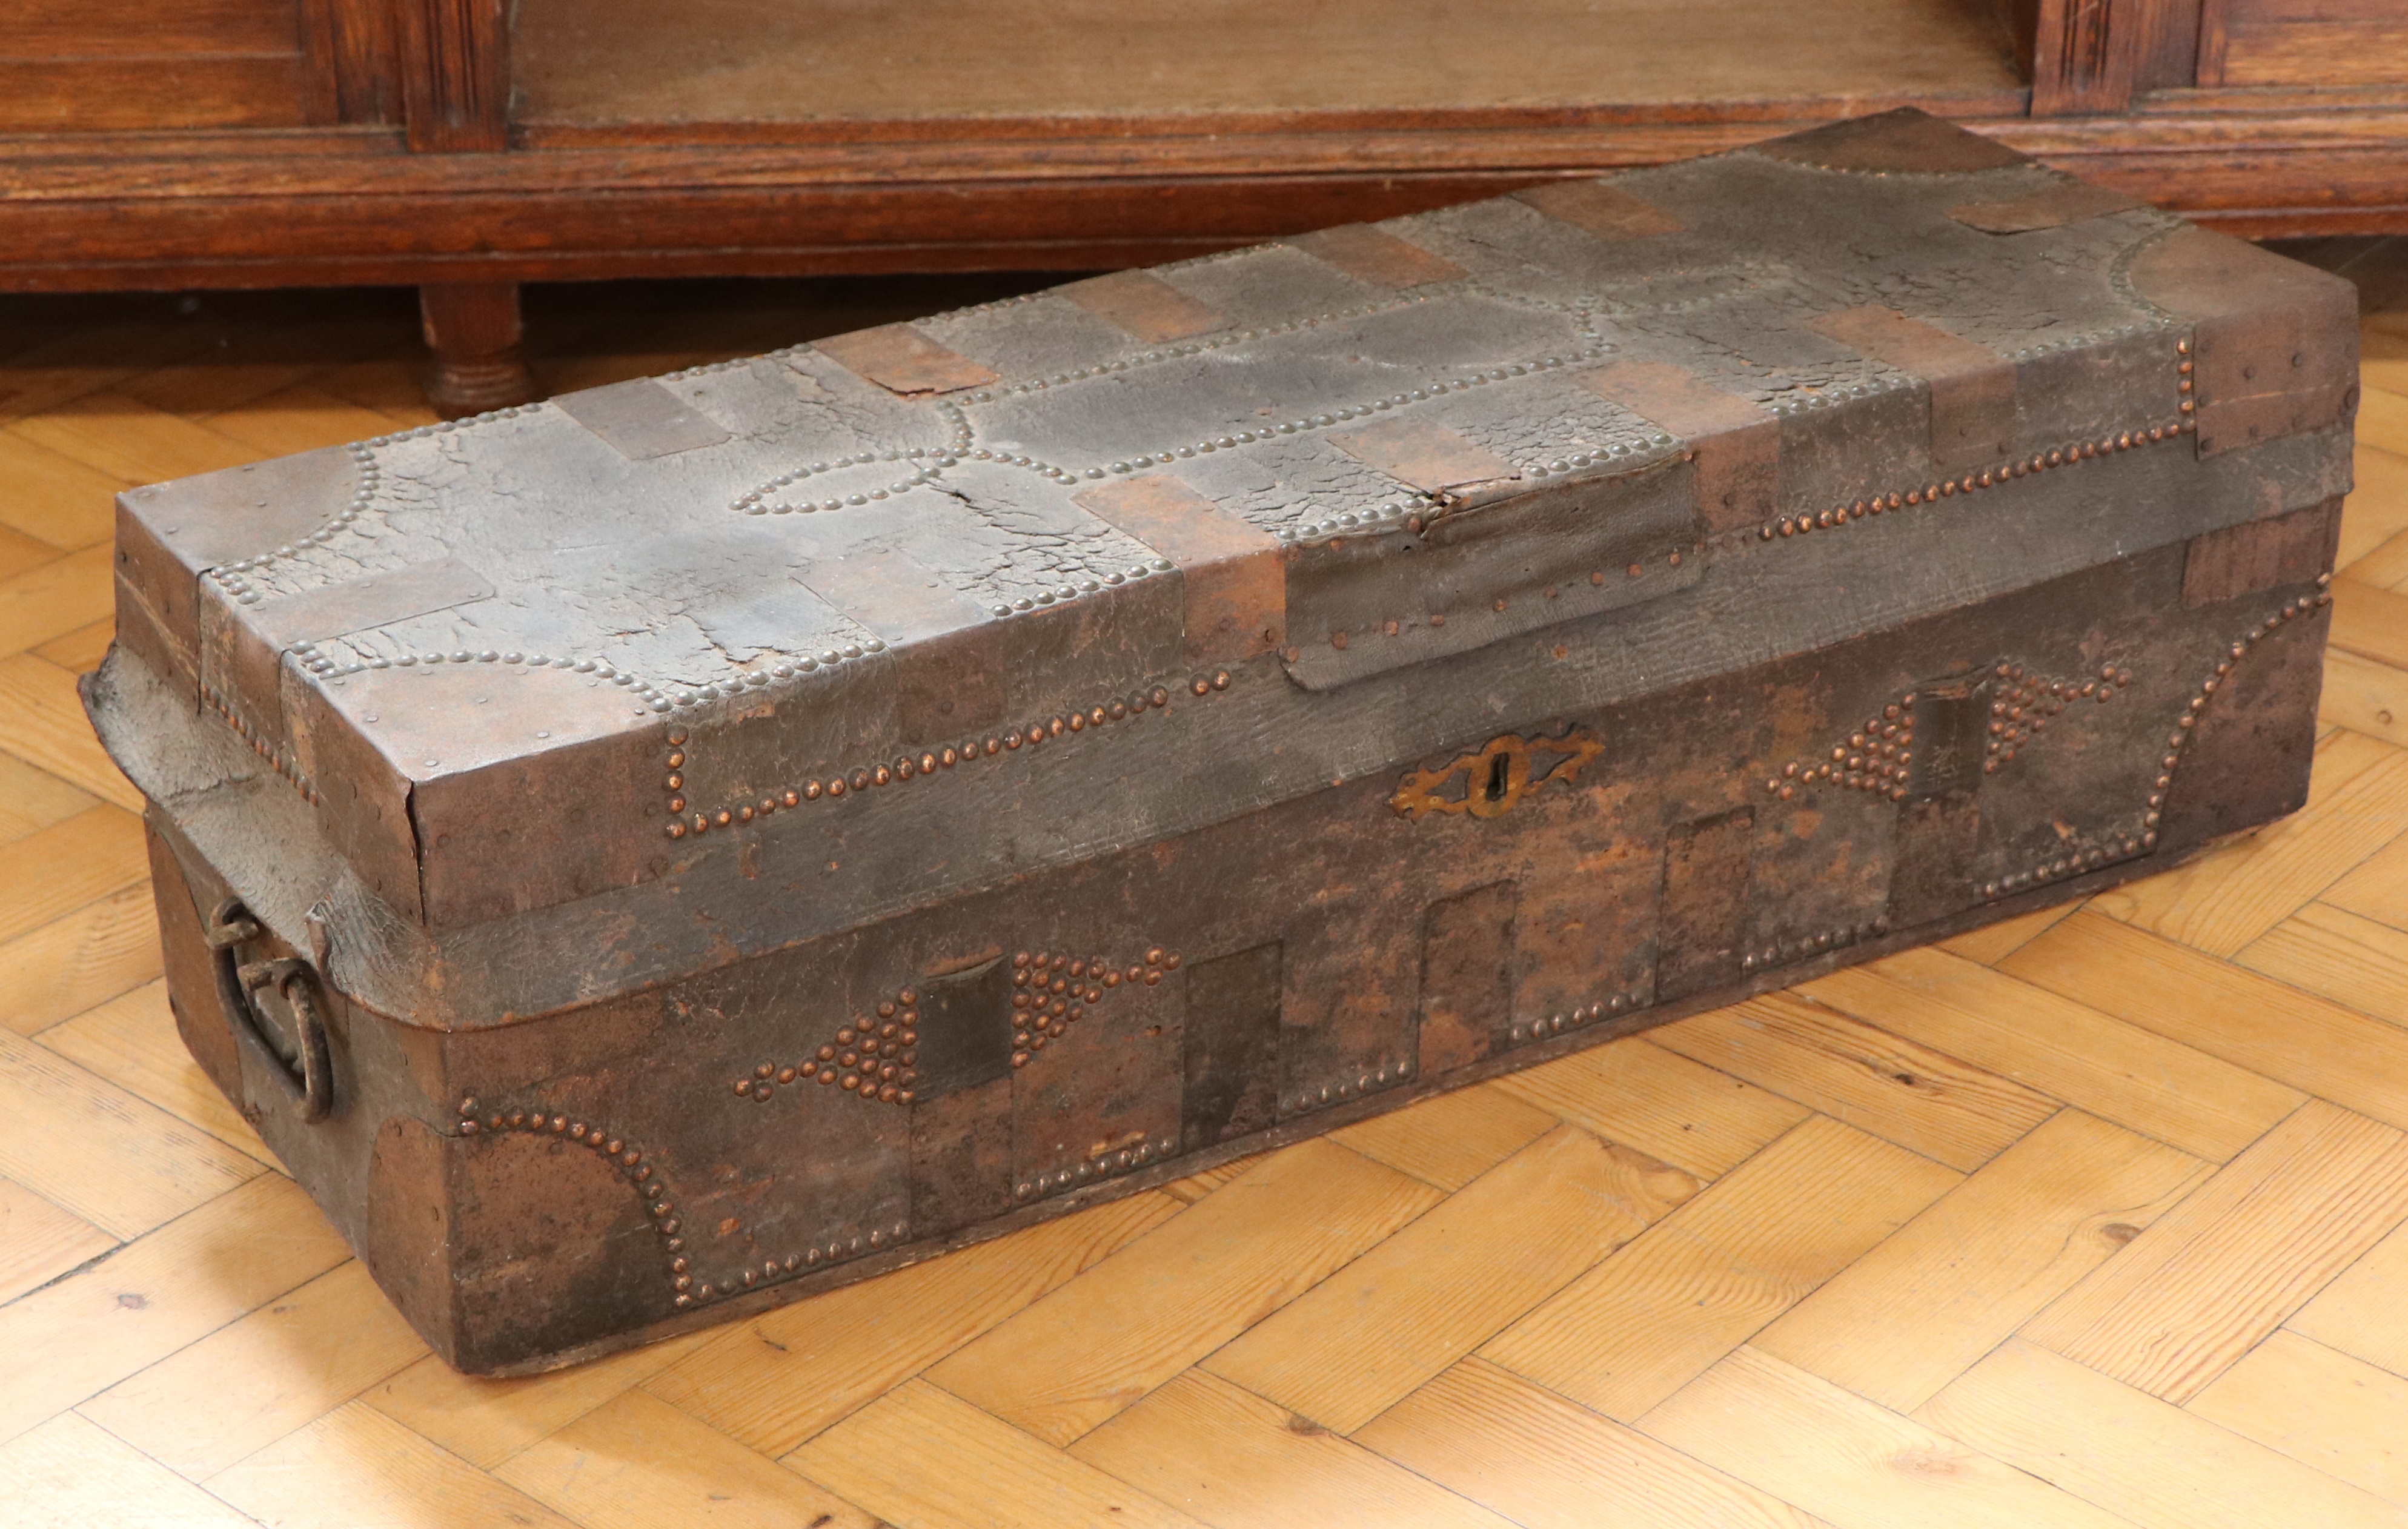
(2139, 835)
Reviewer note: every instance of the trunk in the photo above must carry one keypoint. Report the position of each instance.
(663, 851)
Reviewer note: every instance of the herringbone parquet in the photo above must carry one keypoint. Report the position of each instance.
(2098, 1219)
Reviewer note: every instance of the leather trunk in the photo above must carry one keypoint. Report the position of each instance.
(662, 852)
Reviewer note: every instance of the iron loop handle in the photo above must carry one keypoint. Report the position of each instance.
(311, 1084)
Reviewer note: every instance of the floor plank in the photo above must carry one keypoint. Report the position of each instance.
(2358, 802)
(1238, 1462)
(2377, 889)
(31, 800)
(1923, 1100)
(2250, 1021)
(1917, 1311)
(52, 731)
(105, 948)
(1861, 1466)
(1994, 942)
(79, 652)
(56, 598)
(1702, 1122)
(1523, 1451)
(1107, 1338)
(1347, 1348)
(2364, 696)
(129, 439)
(355, 1467)
(486, 1421)
(131, 1041)
(1450, 1138)
(778, 1379)
(2377, 508)
(298, 418)
(987, 1474)
(2152, 1462)
(39, 1241)
(2361, 1312)
(122, 1165)
(2336, 953)
(252, 1382)
(2321, 1406)
(2120, 1072)
(1704, 1280)
(51, 873)
(71, 1474)
(84, 1334)
(2370, 621)
(638, 1463)
(53, 498)
(2196, 1291)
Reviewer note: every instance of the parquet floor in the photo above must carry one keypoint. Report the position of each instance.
(2096, 1219)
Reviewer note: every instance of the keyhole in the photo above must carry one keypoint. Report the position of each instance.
(1497, 778)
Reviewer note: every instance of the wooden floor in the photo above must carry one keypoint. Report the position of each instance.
(2100, 1218)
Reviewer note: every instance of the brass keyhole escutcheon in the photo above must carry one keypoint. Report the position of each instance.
(1495, 777)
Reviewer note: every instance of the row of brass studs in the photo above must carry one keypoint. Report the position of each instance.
(1108, 1165)
(2028, 702)
(1782, 952)
(1194, 347)
(286, 771)
(1840, 517)
(1388, 1075)
(230, 577)
(774, 1270)
(623, 1155)
(872, 1059)
(316, 663)
(909, 766)
(2127, 844)
(2120, 845)
(926, 463)
(1876, 757)
(1554, 1024)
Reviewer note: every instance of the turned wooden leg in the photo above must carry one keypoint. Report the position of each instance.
(473, 329)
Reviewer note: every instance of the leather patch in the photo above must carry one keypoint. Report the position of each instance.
(1951, 727)
(1233, 586)
(1939, 839)
(377, 599)
(1595, 207)
(1972, 387)
(1904, 139)
(947, 668)
(640, 420)
(1425, 455)
(1467, 977)
(2073, 202)
(1229, 1046)
(1374, 255)
(1701, 921)
(2275, 342)
(2261, 555)
(1736, 444)
(1144, 305)
(900, 359)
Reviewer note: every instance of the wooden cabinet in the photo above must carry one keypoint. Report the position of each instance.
(468, 145)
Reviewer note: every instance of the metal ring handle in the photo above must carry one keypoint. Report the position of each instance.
(230, 924)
